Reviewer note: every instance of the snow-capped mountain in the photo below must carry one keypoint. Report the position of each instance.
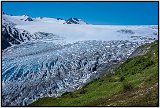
(74, 21)
(12, 34)
(24, 28)
(48, 56)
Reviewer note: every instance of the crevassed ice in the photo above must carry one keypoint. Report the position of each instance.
(38, 69)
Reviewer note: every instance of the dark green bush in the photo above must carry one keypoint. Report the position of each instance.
(122, 78)
(127, 86)
(83, 91)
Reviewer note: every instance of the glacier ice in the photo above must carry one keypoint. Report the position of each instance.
(38, 69)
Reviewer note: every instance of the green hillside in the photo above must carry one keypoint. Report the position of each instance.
(133, 83)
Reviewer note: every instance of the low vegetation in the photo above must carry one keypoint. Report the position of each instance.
(134, 83)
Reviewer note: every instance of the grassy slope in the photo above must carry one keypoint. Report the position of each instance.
(135, 83)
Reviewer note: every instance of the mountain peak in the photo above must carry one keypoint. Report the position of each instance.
(75, 21)
(26, 18)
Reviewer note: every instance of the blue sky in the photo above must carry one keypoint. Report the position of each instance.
(116, 13)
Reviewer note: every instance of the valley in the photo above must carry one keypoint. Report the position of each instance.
(57, 62)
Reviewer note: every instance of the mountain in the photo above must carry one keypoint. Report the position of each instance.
(19, 29)
(45, 57)
(27, 18)
(13, 35)
(74, 21)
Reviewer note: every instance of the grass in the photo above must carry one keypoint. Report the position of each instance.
(134, 83)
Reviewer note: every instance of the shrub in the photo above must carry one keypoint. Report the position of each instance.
(127, 86)
(83, 91)
(122, 78)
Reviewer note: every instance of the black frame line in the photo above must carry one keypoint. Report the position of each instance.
(79, 1)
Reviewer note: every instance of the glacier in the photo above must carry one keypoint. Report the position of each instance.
(32, 70)
(60, 58)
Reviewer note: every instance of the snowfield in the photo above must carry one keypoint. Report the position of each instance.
(54, 56)
(80, 32)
